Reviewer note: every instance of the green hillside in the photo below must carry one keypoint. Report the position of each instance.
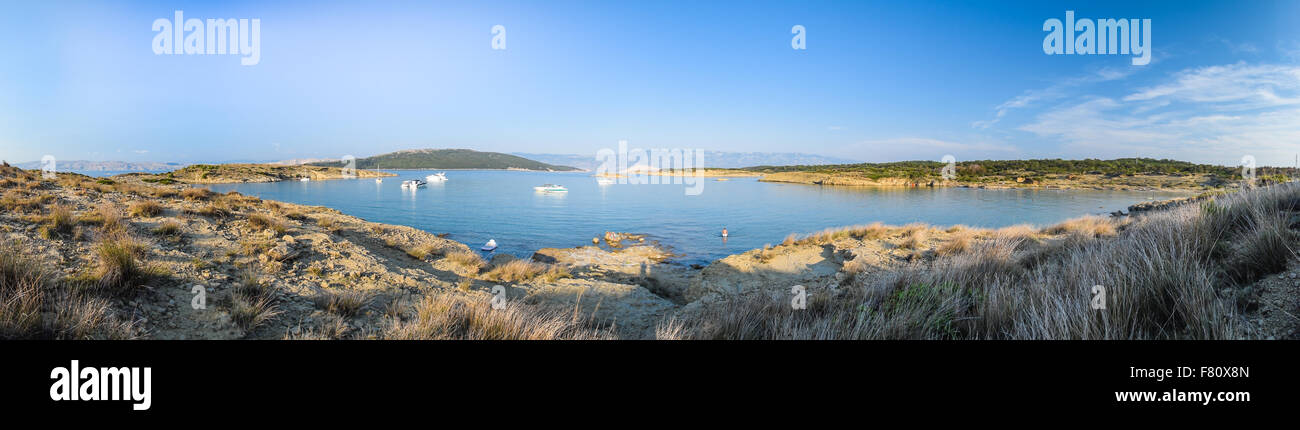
(449, 159)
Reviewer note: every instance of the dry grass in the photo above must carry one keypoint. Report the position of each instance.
(422, 251)
(467, 259)
(524, 271)
(197, 194)
(215, 210)
(1088, 226)
(32, 306)
(958, 243)
(1173, 274)
(452, 316)
(329, 224)
(59, 223)
(266, 223)
(118, 262)
(346, 303)
(18, 201)
(250, 312)
(145, 208)
(165, 193)
(168, 229)
(913, 238)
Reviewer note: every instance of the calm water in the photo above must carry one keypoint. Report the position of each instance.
(474, 206)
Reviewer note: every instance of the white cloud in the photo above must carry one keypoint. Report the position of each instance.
(1210, 114)
(1053, 92)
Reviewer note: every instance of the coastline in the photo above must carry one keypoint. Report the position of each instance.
(1187, 183)
(318, 273)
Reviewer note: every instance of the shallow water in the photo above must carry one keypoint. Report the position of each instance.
(474, 206)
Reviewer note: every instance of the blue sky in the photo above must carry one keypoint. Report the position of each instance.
(879, 81)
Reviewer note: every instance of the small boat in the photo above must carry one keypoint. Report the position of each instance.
(437, 177)
(304, 179)
(491, 245)
(414, 183)
(605, 181)
(551, 188)
(379, 180)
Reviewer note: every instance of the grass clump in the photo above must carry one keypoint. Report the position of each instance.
(58, 224)
(467, 259)
(453, 316)
(197, 194)
(118, 262)
(345, 303)
(266, 223)
(524, 271)
(168, 229)
(146, 209)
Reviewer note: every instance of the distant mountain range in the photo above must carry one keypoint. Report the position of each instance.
(104, 166)
(449, 159)
(716, 159)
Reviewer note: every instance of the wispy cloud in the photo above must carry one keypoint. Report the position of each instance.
(1211, 114)
(1053, 92)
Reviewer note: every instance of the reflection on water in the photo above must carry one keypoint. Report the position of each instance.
(474, 206)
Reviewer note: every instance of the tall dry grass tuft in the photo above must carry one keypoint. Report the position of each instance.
(913, 238)
(59, 223)
(118, 262)
(467, 259)
(145, 208)
(201, 194)
(1088, 226)
(524, 271)
(344, 303)
(958, 243)
(453, 316)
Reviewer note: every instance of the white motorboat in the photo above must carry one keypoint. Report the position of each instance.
(379, 180)
(491, 245)
(551, 188)
(605, 181)
(305, 179)
(437, 177)
(414, 183)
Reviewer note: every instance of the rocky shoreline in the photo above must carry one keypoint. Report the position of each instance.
(275, 270)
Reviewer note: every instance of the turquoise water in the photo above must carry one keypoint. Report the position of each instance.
(474, 206)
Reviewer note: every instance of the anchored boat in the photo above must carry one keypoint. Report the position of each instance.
(491, 245)
(437, 177)
(550, 187)
(413, 184)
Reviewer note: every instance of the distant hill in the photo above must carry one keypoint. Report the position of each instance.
(713, 159)
(104, 166)
(449, 159)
